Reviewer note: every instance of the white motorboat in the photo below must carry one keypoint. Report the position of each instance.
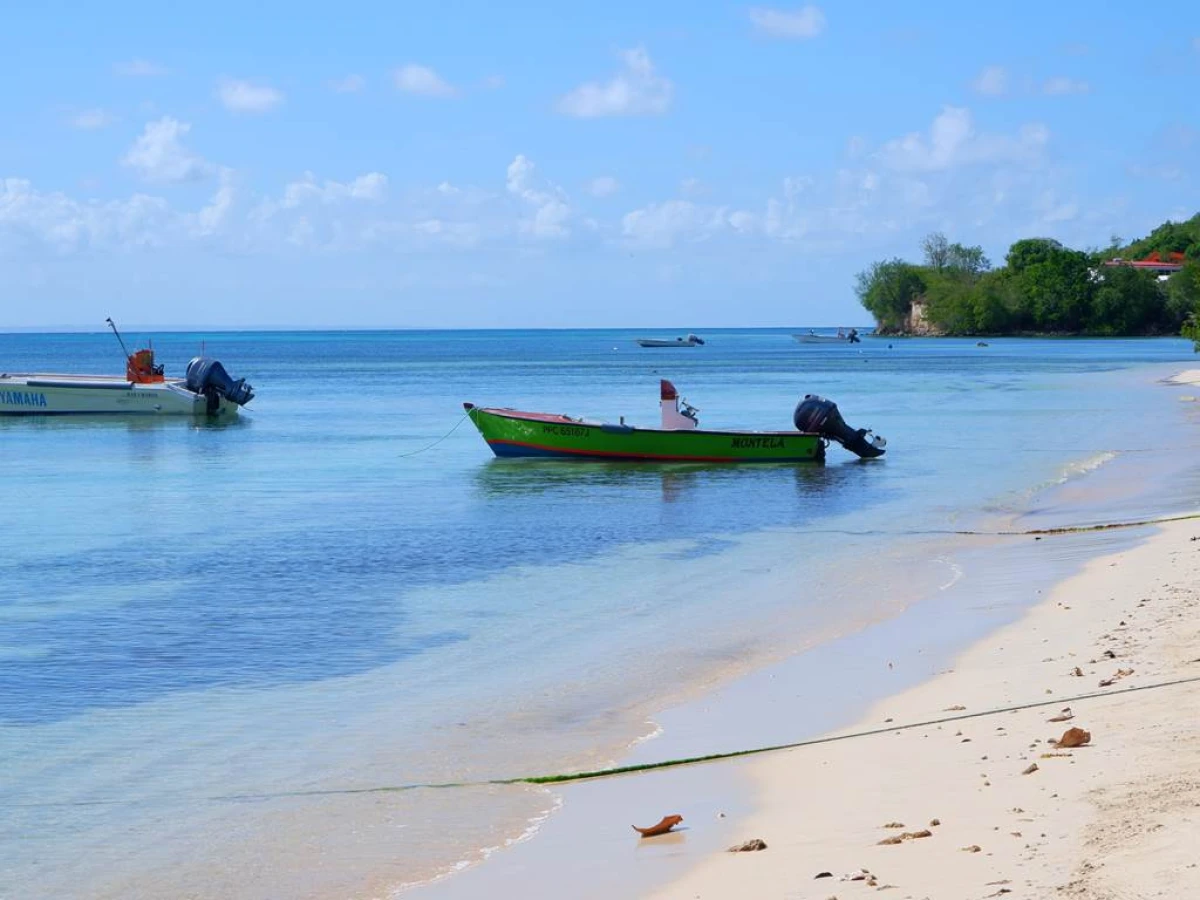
(842, 337)
(205, 390)
(690, 341)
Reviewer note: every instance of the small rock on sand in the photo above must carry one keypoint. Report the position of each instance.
(974, 848)
(1033, 767)
(749, 846)
(935, 822)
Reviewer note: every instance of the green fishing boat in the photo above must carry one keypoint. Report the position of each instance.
(514, 433)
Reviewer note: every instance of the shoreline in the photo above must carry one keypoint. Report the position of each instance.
(726, 802)
(1114, 815)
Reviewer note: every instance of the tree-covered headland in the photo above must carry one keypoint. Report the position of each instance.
(1151, 286)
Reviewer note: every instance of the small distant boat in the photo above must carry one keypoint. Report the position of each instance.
(842, 337)
(206, 390)
(513, 433)
(690, 341)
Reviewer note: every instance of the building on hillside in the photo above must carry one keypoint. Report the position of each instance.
(1162, 268)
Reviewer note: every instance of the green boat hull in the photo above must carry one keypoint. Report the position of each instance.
(511, 433)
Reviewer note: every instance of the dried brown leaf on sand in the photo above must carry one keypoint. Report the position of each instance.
(1073, 737)
(663, 826)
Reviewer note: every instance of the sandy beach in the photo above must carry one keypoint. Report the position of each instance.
(990, 806)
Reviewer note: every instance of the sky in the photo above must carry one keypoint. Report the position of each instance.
(482, 165)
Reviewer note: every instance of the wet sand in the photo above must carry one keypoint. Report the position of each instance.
(1117, 817)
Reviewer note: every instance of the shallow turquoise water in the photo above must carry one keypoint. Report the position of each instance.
(289, 602)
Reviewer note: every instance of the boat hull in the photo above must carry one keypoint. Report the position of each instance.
(823, 339)
(84, 395)
(647, 342)
(511, 433)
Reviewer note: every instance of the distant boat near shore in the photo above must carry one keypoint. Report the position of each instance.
(690, 341)
(842, 337)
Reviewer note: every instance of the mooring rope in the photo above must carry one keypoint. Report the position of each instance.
(615, 771)
(1079, 529)
(466, 416)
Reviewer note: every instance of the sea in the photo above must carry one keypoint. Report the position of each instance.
(291, 655)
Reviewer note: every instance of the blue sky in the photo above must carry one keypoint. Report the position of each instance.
(476, 164)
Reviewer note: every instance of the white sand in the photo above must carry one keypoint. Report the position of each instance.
(1189, 376)
(1119, 818)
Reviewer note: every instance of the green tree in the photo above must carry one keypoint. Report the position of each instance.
(1127, 301)
(887, 290)
(1191, 330)
(969, 261)
(995, 303)
(1167, 238)
(937, 250)
(1056, 287)
(1183, 295)
(949, 302)
(1029, 251)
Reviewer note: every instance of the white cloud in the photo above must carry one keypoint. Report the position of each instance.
(159, 156)
(1164, 171)
(952, 141)
(662, 225)
(371, 187)
(67, 225)
(693, 187)
(550, 211)
(92, 119)
(604, 186)
(992, 81)
(636, 90)
(139, 68)
(422, 80)
(802, 23)
(213, 217)
(245, 97)
(1062, 85)
(351, 84)
(1052, 209)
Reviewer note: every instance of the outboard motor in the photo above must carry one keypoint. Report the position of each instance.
(816, 415)
(208, 377)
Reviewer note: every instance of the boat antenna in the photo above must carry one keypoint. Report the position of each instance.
(118, 334)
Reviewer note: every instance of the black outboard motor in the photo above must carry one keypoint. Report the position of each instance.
(208, 377)
(816, 415)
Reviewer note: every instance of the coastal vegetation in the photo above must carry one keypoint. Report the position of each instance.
(1150, 286)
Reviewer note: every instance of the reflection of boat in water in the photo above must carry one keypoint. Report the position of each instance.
(690, 341)
(842, 337)
(512, 433)
(206, 390)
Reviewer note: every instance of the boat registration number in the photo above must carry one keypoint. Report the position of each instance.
(758, 443)
(566, 430)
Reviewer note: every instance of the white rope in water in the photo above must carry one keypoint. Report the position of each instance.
(439, 440)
